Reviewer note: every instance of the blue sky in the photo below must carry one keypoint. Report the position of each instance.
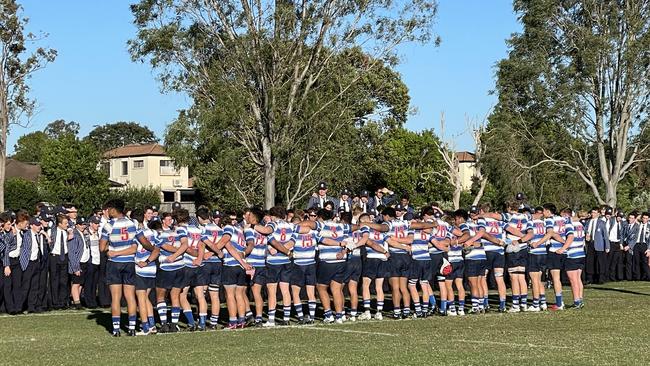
(93, 81)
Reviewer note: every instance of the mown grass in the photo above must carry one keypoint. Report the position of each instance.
(614, 328)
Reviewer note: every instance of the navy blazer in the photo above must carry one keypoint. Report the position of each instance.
(10, 245)
(315, 201)
(75, 251)
(631, 234)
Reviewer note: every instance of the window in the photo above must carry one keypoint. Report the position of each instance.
(138, 164)
(167, 168)
(169, 196)
(125, 168)
(187, 196)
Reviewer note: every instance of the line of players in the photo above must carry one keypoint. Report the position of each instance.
(321, 254)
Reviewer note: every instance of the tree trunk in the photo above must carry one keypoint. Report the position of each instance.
(610, 193)
(456, 197)
(270, 167)
(4, 131)
(479, 195)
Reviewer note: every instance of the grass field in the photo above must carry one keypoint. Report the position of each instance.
(614, 328)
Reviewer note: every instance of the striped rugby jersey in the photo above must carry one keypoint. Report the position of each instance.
(257, 257)
(538, 226)
(213, 234)
(171, 237)
(398, 229)
(238, 243)
(120, 233)
(334, 231)
(304, 248)
(195, 235)
(142, 254)
(282, 233)
(494, 228)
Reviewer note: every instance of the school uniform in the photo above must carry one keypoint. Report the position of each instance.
(77, 262)
(103, 291)
(615, 256)
(2, 256)
(33, 247)
(596, 257)
(41, 283)
(13, 282)
(631, 236)
(92, 270)
(58, 267)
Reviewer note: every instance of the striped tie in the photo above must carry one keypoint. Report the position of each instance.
(61, 244)
(25, 251)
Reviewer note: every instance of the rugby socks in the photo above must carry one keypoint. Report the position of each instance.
(116, 323)
(407, 311)
(366, 305)
(176, 313)
(418, 308)
(202, 317)
(515, 301)
(214, 319)
(152, 321)
(523, 300)
(132, 321)
(287, 313)
(535, 302)
(443, 306)
(380, 306)
(397, 312)
(486, 302)
(353, 312)
(161, 307)
(432, 301)
(502, 304)
(189, 316)
(312, 309)
(145, 327)
(298, 308)
(249, 314)
(425, 307)
(475, 302)
(461, 305)
(339, 315)
(327, 313)
(271, 315)
(542, 299)
(232, 321)
(558, 300)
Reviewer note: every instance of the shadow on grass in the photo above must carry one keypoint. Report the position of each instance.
(623, 291)
(102, 318)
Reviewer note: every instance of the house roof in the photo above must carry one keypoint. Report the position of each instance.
(136, 150)
(465, 157)
(18, 169)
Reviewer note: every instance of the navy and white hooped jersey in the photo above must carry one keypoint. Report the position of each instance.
(538, 226)
(494, 228)
(257, 257)
(304, 248)
(334, 231)
(440, 232)
(120, 233)
(212, 233)
(577, 247)
(238, 243)
(420, 245)
(171, 237)
(355, 238)
(142, 254)
(195, 235)
(282, 233)
(476, 253)
(379, 238)
(398, 229)
(558, 225)
(455, 253)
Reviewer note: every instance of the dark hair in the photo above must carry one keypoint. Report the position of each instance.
(551, 207)
(146, 208)
(155, 225)
(389, 211)
(258, 213)
(182, 216)
(539, 209)
(279, 212)
(346, 217)
(566, 210)
(165, 215)
(203, 213)
(117, 204)
(4, 218)
(325, 214)
(60, 218)
(21, 216)
(461, 213)
(485, 207)
(138, 215)
(427, 210)
(330, 203)
(633, 213)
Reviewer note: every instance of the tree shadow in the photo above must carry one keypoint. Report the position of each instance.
(102, 318)
(623, 291)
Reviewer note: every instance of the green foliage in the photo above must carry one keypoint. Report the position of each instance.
(113, 135)
(29, 147)
(135, 197)
(70, 173)
(21, 194)
(60, 127)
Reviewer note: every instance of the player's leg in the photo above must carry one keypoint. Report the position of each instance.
(325, 302)
(396, 296)
(338, 299)
(379, 290)
(131, 306)
(461, 295)
(199, 293)
(354, 298)
(451, 309)
(271, 293)
(241, 300)
(116, 298)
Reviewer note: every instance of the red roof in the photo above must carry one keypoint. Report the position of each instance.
(465, 157)
(136, 150)
(18, 169)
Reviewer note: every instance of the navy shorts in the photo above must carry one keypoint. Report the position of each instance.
(400, 264)
(458, 269)
(144, 283)
(375, 268)
(574, 264)
(233, 276)
(536, 263)
(259, 277)
(436, 264)
(278, 273)
(79, 280)
(353, 269)
(195, 277)
(420, 270)
(328, 272)
(170, 279)
(495, 260)
(303, 275)
(120, 273)
(519, 259)
(555, 261)
(475, 268)
(212, 272)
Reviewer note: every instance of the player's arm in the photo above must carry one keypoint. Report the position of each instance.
(127, 251)
(491, 215)
(331, 242)
(441, 244)
(382, 228)
(200, 252)
(550, 233)
(395, 243)
(235, 254)
(280, 247)
(514, 231)
(422, 225)
(376, 247)
(529, 235)
(155, 253)
(567, 243)
(146, 244)
(363, 240)
(180, 250)
(263, 229)
(474, 239)
(103, 245)
(304, 227)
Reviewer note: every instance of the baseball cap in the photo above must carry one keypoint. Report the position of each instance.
(93, 220)
(364, 193)
(216, 213)
(322, 185)
(346, 192)
(45, 216)
(399, 208)
(474, 209)
(35, 221)
(176, 205)
(81, 221)
(609, 211)
(520, 196)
